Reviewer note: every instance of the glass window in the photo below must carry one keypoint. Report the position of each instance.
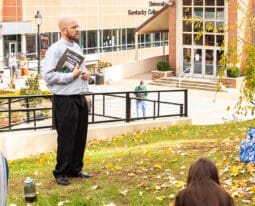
(141, 41)
(219, 54)
(107, 40)
(116, 39)
(198, 12)
(220, 27)
(157, 39)
(30, 44)
(123, 39)
(165, 40)
(187, 12)
(209, 2)
(209, 26)
(209, 13)
(209, 40)
(209, 62)
(187, 2)
(92, 41)
(220, 14)
(187, 26)
(219, 40)
(198, 39)
(130, 38)
(198, 2)
(198, 26)
(55, 37)
(220, 2)
(197, 61)
(147, 40)
(186, 60)
(187, 39)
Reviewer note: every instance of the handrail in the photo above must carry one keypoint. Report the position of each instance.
(32, 112)
(183, 75)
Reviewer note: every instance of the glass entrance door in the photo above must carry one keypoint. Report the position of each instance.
(203, 63)
(209, 63)
(197, 62)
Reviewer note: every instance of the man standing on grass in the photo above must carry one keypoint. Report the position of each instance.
(69, 104)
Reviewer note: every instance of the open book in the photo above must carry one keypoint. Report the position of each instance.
(68, 61)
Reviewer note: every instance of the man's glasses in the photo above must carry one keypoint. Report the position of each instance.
(73, 27)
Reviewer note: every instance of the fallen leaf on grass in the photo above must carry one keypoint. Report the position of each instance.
(180, 184)
(124, 192)
(111, 204)
(171, 196)
(131, 174)
(234, 171)
(158, 166)
(63, 202)
(94, 187)
(160, 198)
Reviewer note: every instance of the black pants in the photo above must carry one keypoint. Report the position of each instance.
(71, 120)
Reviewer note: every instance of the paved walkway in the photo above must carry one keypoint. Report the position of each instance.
(204, 107)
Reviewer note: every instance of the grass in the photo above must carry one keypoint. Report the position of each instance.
(145, 168)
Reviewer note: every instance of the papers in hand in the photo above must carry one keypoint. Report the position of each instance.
(68, 61)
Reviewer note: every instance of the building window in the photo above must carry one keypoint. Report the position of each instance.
(203, 33)
(130, 38)
(91, 42)
(187, 39)
(187, 2)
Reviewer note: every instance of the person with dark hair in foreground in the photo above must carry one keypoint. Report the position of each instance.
(203, 187)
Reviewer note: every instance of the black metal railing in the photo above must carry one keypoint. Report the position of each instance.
(35, 111)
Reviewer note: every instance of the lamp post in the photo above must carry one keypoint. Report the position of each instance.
(38, 21)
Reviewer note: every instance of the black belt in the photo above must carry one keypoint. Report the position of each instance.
(70, 96)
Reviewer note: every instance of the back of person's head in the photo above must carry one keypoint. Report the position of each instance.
(141, 82)
(203, 187)
(202, 171)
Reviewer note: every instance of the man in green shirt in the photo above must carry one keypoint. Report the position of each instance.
(141, 94)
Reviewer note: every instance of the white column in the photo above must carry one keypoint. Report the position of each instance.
(136, 46)
(23, 44)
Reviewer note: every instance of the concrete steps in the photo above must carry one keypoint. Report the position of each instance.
(188, 83)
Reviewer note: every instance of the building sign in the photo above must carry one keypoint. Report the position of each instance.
(144, 12)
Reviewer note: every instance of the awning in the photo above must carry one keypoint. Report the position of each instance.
(156, 23)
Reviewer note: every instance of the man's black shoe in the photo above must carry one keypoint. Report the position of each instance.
(83, 175)
(63, 180)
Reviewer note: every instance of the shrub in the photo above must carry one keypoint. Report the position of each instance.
(163, 66)
(233, 72)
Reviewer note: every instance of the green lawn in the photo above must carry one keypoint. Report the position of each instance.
(146, 168)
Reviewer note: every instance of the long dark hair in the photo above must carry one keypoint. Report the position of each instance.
(203, 187)
(203, 171)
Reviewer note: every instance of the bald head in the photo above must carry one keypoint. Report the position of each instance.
(69, 29)
(65, 22)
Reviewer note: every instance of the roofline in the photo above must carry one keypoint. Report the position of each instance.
(152, 17)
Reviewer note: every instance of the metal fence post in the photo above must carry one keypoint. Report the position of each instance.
(128, 107)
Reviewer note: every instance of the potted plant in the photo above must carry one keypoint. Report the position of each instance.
(163, 70)
(233, 72)
(233, 78)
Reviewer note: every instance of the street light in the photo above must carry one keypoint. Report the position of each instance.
(38, 21)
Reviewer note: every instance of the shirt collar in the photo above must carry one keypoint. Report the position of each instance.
(70, 44)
